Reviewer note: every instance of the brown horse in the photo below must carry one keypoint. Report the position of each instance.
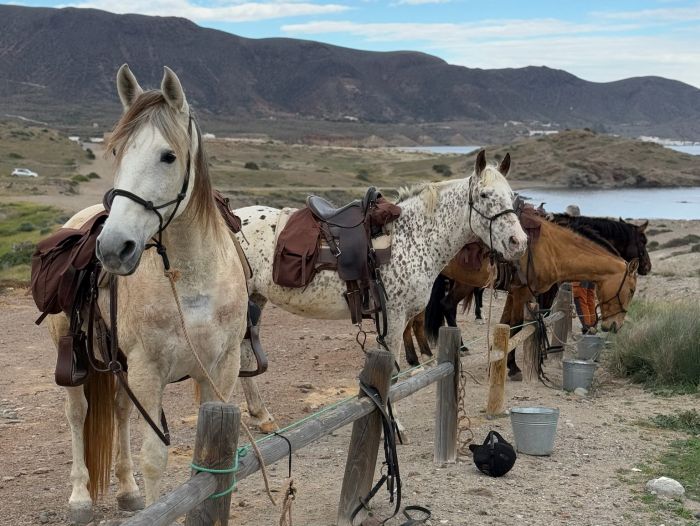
(559, 254)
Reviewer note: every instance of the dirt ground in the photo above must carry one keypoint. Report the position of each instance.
(599, 440)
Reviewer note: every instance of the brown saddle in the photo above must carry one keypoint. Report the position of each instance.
(324, 237)
(64, 276)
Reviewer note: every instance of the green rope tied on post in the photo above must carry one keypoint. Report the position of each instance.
(240, 452)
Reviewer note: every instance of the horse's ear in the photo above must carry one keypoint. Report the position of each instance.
(643, 226)
(480, 163)
(172, 90)
(633, 265)
(127, 86)
(505, 165)
(621, 220)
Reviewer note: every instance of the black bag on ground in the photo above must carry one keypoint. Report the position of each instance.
(495, 457)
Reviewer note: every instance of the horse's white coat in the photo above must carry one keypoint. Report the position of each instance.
(211, 287)
(434, 225)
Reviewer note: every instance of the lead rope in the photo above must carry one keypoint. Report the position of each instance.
(490, 284)
(173, 276)
(464, 423)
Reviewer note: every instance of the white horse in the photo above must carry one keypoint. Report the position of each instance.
(156, 145)
(436, 221)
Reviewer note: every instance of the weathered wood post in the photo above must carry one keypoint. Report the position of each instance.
(497, 374)
(215, 448)
(562, 328)
(530, 350)
(446, 399)
(364, 441)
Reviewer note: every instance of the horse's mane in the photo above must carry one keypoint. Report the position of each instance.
(587, 232)
(601, 227)
(428, 192)
(151, 107)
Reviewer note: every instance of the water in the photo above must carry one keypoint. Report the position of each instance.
(636, 203)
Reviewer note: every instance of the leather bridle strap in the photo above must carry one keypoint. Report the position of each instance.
(617, 297)
(490, 219)
(148, 205)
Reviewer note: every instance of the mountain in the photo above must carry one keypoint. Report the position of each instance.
(58, 66)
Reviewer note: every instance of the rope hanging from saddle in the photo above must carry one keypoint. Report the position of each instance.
(542, 345)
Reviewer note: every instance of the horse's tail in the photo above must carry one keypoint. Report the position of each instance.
(467, 301)
(435, 310)
(98, 430)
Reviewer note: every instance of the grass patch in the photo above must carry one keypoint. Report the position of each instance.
(658, 347)
(657, 231)
(652, 245)
(93, 175)
(681, 241)
(686, 421)
(79, 178)
(21, 226)
(682, 463)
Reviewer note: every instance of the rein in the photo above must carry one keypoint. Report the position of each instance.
(615, 297)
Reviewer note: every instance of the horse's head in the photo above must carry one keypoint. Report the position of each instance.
(615, 295)
(491, 214)
(637, 246)
(154, 146)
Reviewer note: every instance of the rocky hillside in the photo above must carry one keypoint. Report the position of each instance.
(58, 65)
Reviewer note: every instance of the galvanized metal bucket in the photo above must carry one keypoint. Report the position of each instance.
(534, 429)
(589, 347)
(578, 373)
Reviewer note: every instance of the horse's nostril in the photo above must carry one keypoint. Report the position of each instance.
(127, 250)
(513, 241)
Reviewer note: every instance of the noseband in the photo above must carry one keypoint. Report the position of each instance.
(490, 219)
(615, 297)
(148, 205)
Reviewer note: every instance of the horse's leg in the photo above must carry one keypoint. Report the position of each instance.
(128, 495)
(410, 350)
(80, 503)
(260, 417)
(419, 331)
(147, 385)
(478, 302)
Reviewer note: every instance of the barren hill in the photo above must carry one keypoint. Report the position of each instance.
(58, 65)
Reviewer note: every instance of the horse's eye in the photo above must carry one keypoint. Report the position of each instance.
(484, 195)
(168, 157)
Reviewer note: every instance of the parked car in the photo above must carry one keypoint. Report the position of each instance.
(24, 172)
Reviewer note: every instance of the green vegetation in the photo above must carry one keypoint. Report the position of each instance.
(363, 175)
(79, 178)
(442, 169)
(21, 226)
(250, 165)
(681, 241)
(682, 463)
(657, 231)
(659, 346)
(652, 245)
(93, 175)
(686, 421)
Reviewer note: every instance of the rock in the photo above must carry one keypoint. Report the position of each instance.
(9, 414)
(8, 478)
(306, 385)
(580, 391)
(41, 471)
(665, 487)
(44, 517)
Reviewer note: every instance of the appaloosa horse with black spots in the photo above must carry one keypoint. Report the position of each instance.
(436, 220)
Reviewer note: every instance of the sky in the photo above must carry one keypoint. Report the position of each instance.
(596, 40)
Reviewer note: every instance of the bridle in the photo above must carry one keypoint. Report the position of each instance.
(490, 219)
(615, 297)
(148, 205)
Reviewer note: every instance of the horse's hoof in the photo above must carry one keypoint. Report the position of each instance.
(268, 427)
(517, 377)
(130, 502)
(81, 513)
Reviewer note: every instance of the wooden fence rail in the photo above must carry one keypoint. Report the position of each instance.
(192, 497)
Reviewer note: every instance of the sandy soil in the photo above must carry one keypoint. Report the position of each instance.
(599, 439)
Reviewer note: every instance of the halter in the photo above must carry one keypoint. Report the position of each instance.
(491, 219)
(617, 297)
(148, 205)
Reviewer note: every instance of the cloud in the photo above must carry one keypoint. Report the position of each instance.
(663, 14)
(592, 51)
(420, 2)
(224, 11)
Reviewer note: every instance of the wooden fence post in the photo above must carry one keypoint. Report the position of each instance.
(562, 328)
(215, 448)
(497, 374)
(364, 442)
(446, 399)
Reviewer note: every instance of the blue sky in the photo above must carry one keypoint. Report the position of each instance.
(596, 40)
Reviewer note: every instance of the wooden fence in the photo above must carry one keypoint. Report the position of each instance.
(558, 320)
(217, 441)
